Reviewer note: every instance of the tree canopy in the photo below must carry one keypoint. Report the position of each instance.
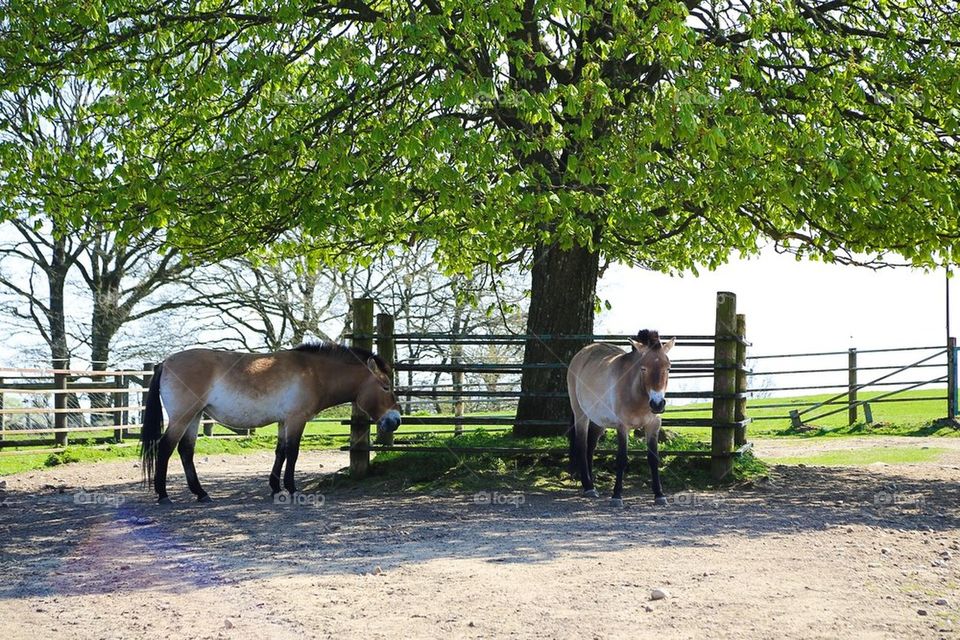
(659, 133)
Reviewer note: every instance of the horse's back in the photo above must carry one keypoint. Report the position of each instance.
(596, 358)
(239, 389)
(199, 368)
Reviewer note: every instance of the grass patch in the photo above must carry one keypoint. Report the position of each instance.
(917, 414)
(17, 462)
(859, 457)
(915, 417)
(934, 429)
(543, 470)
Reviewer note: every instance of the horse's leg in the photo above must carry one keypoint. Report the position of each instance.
(294, 431)
(186, 447)
(593, 437)
(581, 425)
(278, 461)
(164, 451)
(171, 437)
(653, 459)
(617, 500)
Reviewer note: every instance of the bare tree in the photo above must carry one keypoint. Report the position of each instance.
(34, 269)
(276, 303)
(424, 300)
(129, 282)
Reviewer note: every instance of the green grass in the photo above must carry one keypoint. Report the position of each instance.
(17, 461)
(858, 457)
(916, 415)
(401, 471)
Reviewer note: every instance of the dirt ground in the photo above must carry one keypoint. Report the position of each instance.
(815, 552)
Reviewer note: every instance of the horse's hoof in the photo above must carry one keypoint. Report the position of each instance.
(164, 500)
(660, 501)
(616, 502)
(204, 498)
(591, 493)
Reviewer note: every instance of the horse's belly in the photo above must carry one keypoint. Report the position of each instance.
(601, 416)
(601, 410)
(239, 410)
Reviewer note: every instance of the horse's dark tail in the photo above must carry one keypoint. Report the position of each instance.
(152, 428)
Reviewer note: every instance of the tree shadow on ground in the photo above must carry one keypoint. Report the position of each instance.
(54, 546)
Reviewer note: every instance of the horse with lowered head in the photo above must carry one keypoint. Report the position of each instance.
(248, 390)
(613, 389)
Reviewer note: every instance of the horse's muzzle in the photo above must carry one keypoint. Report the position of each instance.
(658, 406)
(389, 423)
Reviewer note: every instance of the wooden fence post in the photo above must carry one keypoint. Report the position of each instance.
(147, 379)
(951, 378)
(456, 359)
(118, 404)
(724, 385)
(387, 349)
(2, 415)
(740, 434)
(852, 386)
(126, 402)
(59, 404)
(359, 424)
(208, 427)
(795, 420)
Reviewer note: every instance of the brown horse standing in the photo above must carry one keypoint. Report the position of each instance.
(252, 390)
(609, 388)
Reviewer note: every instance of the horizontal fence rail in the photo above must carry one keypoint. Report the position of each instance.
(895, 371)
(55, 402)
(473, 381)
(462, 386)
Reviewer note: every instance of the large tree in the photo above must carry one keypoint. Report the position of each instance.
(553, 133)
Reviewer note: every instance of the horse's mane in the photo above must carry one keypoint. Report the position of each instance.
(649, 337)
(343, 353)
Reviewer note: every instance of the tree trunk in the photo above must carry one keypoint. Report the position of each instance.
(57, 278)
(105, 322)
(57, 319)
(563, 292)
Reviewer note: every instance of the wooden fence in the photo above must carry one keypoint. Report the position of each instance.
(37, 402)
(462, 387)
(893, 372)
(475, 381)
(104, 406)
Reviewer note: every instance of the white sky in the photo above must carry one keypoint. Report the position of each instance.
(794, 307)
(790, 306)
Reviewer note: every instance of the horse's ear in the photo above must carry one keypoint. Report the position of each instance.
(669, 344)
(372, 364)
(637, 346)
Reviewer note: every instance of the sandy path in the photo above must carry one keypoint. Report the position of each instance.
(813, 553)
